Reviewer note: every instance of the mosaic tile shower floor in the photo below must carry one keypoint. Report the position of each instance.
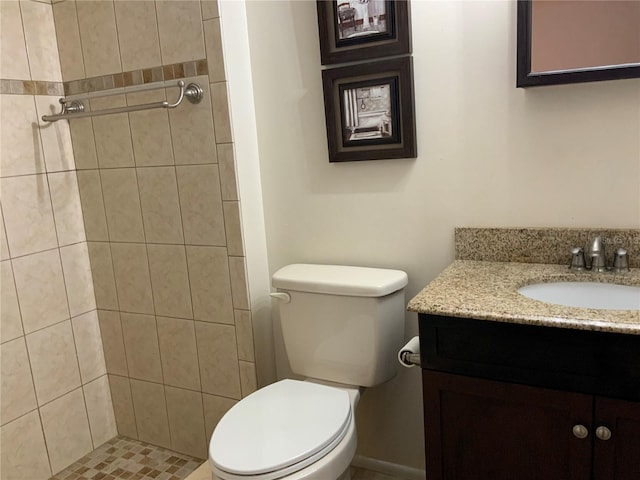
(130, 459)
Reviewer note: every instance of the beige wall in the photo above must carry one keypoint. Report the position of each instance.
(55, 397)
(489, 155)
(162, 216)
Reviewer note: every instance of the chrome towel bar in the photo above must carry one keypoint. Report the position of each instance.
(74, 108)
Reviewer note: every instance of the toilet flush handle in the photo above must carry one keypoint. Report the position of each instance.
(283, 296)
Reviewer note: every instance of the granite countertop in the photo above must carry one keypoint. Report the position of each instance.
(488, 291)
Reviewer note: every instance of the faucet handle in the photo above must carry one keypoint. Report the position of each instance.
(621, 261)
(577, 259)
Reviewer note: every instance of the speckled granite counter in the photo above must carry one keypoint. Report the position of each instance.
(488, 291)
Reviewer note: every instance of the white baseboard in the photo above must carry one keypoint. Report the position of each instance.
(388, 468)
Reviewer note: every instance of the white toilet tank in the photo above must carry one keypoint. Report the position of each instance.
(343, 324)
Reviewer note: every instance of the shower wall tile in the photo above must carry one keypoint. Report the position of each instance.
(233, 228)
(20, 149)
(186, 422)
(13, 50)
(53, 361)
(132, 277)
(170, 280)
(226, 162)
(66, 429)
(141, 345)
(100, 410)
(123, 406)
(23, 453)
(210, 284)
(221, 116)
(151, 413)
(210, 9)
(180, 29)
(162, 221)
(68, 36)
(160, 205)
(67, 210)
(39, 32)
(192, 129)
(104, 283)
(201, 203)
(213, 42)
(112, 134)
(56, 137)
(248, 378)
(28, 214)
(99, 38)
(86, 332)
(113, 342)
(83, 141)
(122, 204)
(214, 408)
(4, 244)
(218, 358)
(150, 132)
(137, 34)
(78, 280)
(41, 291)
(244, 331)
(92, 201)
(16, 393)
(239, 283)
(178, 352)
(10, 319)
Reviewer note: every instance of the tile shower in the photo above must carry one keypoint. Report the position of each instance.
(125, 308)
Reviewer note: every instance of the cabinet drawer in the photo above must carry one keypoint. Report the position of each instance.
(573, 360)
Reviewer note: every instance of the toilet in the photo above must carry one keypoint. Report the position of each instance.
(342, 327)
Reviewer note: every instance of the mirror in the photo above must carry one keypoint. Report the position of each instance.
(571, 41)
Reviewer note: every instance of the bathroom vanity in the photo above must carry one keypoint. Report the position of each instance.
(515, 388)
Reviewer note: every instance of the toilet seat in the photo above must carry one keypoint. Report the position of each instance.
(279, 430)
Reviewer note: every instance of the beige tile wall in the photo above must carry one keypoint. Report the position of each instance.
(162, 219)
(55, 399)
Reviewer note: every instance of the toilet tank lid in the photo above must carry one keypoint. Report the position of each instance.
(340, 280)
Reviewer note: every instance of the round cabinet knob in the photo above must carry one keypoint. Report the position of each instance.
(580, 431)
(603, 433)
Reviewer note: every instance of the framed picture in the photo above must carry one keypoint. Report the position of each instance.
(369, 111)
(353, 30)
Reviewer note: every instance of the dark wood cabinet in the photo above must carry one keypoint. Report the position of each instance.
(506, 402)
(619, 456)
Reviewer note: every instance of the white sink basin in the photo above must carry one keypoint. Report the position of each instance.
(602, 296)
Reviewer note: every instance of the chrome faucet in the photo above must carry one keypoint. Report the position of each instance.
(598, 258)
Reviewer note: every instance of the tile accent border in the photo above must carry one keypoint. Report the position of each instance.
(30, 87)
(541, 245)
(161, 73)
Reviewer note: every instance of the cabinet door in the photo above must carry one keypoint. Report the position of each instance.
(617, 458)
(485, 430)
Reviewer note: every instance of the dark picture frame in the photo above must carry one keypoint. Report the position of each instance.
(369, 111)
(526, 78)
(353, 30)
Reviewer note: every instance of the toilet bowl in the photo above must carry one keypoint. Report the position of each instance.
(309, 430)
(341, 327)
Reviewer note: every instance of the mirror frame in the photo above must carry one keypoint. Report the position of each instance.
(527, 78)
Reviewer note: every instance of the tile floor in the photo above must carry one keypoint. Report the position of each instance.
(130, 459)
(125, 458)
(204, 473)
